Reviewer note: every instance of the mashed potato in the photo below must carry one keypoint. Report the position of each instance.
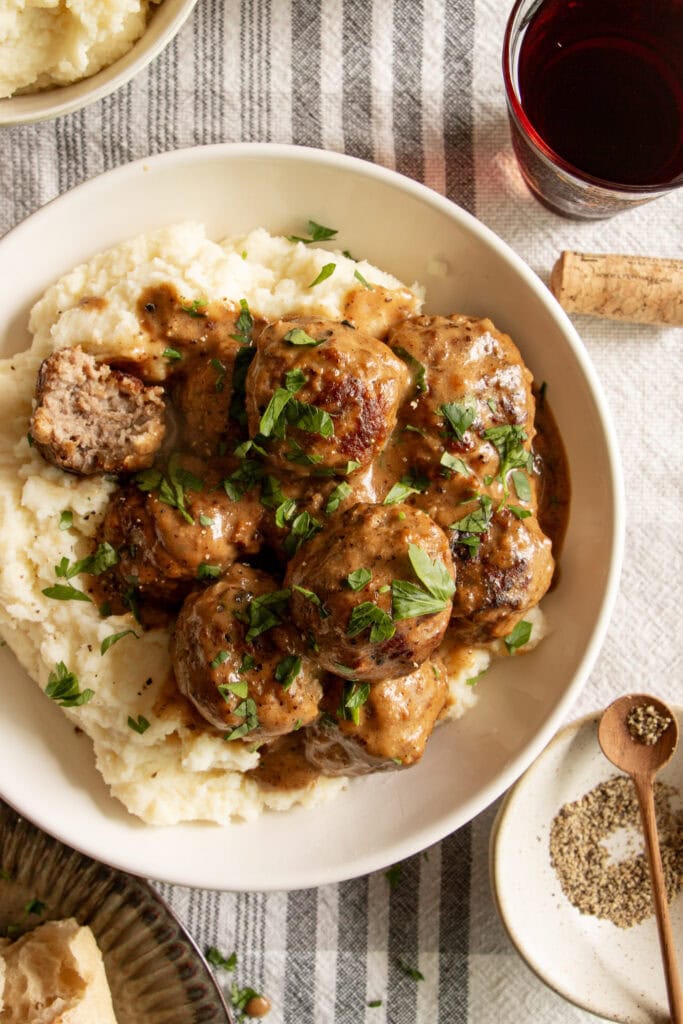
(44, 43)
(173, 771)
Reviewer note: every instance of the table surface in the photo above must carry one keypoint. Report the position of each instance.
(413, 85)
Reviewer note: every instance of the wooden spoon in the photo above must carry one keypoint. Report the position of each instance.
(642, 761)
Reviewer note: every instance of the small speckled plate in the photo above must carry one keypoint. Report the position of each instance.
(613, 972)
(156, 973)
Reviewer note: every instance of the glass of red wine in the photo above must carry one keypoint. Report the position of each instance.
(595, 101)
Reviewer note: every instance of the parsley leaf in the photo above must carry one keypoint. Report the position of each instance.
(317, 232)
(303, 528)
(216, 958)
(327, 271)
(476, 522)
(139, 724)
(411, 972)
(410, 600)
(406, 486)
(339, 494)
(507, 440)
(194, 309)
(454, 464)
(519, 636)
(521, 484)
(519, 512)
(284, 512)
(366, 284)
(287, 670)
(272, 421)
(359, 578)
(311, 596)
(432, 574)
(66, 592)
(246, 710)
(297, 336)
(247, 664)
(369, 616)
(244, 325)
(243, 359)
(66, 520)
(172, 354)
(459, 416)
(354, 695)
(264, 613)
(171, 486)
(220, 659)
(114, 638)
(238, 689)
(220, 369)
(63, 688)
(208, 572)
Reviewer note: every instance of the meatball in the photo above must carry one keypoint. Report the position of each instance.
(505, 566)
(372, 591)
(204, 397)
(322, 396)
(377, 726)
(173, 528)
(472, 406)
(227, 663)
(92, 419)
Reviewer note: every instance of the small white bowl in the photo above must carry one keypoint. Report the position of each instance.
(165, 22)
(615, 973)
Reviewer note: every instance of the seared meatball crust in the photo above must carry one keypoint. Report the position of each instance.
(376, 538)
(91, 419)
(212, 647)
(499, 579)
(162, 549)
(353, 382)
(392, 728)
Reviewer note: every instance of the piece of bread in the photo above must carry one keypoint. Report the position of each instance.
(54, 975)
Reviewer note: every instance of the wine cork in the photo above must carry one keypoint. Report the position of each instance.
(640, 289)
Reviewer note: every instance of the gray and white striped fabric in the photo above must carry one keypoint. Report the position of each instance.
(413, 85)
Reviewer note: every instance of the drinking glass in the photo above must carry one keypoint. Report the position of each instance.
(594, 93)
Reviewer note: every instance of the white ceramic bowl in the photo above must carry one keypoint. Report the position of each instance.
(165, 22)
(615, 973)
(415, 234)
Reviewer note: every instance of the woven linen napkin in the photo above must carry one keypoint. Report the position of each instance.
(413, 85)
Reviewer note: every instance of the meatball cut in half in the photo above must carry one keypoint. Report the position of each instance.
(175, 525)
(373, 591)
(322, 395)
(472, 405)
(378, 726)
(92, 419)
(505, 566)
(226, 661)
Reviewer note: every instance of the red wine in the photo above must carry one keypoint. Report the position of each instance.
(601, 82)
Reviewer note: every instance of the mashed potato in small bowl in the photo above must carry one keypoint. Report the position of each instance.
(57, 57)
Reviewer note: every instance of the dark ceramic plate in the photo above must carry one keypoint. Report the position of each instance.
(155, 971)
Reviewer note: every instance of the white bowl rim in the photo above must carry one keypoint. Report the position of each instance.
(85, 91)
(506, 808)
(466, 811)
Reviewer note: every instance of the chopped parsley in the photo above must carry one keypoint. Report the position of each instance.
(374, 1003)
(354, 695)
(237, 411)
(246, 710)
(317, 233)
(406, 486)
(519, 636)
(366, 284)
(454, 464)
(304, 526)
(247, 664)
(139, 724)
(64, 689)
(171, 485)
(208, 572)
(238, 689)
(66, 520)
(411, 972)
(521, 484)
(220, 369)
(459, 416)
(216, 958)
(287, 670)
(300, 457)
(246, 476)
(284, 512)
(339, 494)
(272, 421)
(220, 659)
(205, 520)
(369, 616)
(265, 612)
(519, 512)
(359, 578)
(65, 592)
(297, 336)
(474, 524)
(327, 271)
(172, 354)
(194, 309)
(114, 638)
(507, 440)
(311, 596)
(437, 588)
(244, 325)
(417, 368)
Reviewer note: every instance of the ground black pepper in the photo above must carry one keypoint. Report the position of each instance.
(646, 724)
(592, 878)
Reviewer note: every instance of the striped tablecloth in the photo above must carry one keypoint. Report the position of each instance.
(413, 85)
